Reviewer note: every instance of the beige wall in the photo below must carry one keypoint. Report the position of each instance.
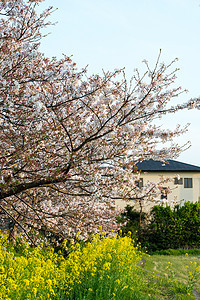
(179, 194)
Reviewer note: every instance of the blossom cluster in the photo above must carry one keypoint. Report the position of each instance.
(69, 141)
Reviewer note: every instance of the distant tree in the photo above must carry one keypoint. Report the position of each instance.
(69, 141)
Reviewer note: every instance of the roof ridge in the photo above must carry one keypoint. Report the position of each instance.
(169, 165)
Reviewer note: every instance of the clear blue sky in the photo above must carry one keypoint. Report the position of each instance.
(109, 34)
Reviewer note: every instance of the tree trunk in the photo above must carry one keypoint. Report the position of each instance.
(12, 232)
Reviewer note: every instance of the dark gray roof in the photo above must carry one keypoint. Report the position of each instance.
(171, 165)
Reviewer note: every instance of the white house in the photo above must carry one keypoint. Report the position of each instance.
(184, 184)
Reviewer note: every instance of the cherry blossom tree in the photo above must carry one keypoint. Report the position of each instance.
(69, 141)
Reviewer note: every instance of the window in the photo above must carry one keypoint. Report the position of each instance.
(188, 183)
(139, 183)
(164, 193)
(178, 180)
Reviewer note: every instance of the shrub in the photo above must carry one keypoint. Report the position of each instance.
(132, 220)
(177, 227)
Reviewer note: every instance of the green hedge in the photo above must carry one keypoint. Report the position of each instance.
(175, 228)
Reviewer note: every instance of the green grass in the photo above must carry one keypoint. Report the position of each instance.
(177, 252)
(181, 268)
(151, 286)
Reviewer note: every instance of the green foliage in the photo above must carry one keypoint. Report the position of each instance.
(132, 221)
(105, 268)
(177, 227)
(177, 252)
(185, 268)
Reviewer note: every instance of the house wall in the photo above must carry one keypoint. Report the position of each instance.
(178, 194)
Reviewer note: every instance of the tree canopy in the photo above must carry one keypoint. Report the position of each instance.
(69, 141)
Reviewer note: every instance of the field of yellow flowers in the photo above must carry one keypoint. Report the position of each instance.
(105, 268)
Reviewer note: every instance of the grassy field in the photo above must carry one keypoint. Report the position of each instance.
(184, 268)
